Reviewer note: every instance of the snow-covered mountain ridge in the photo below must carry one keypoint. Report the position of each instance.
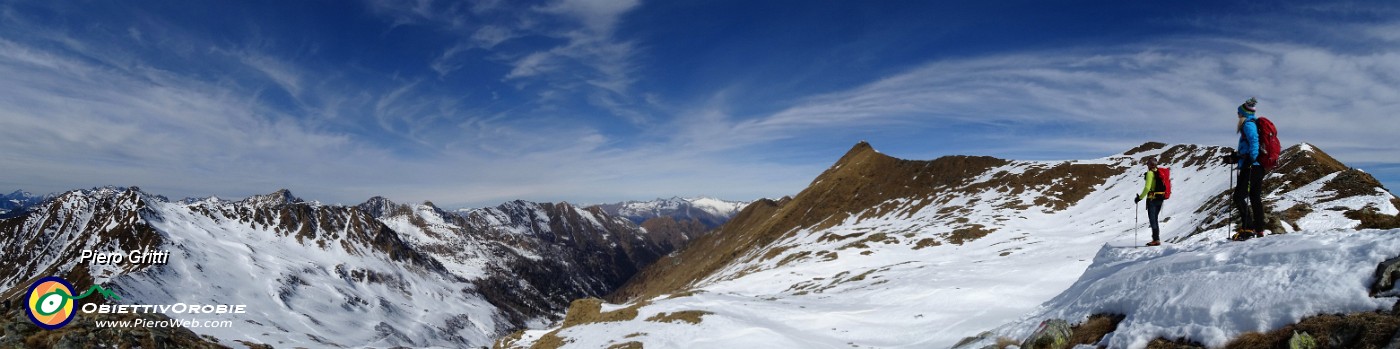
(708, 211)
(16, 202)
(885, 252)
(314, 275)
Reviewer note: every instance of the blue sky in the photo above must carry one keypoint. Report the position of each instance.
(476, 103)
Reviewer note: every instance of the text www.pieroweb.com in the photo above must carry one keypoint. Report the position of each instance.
(148, 323)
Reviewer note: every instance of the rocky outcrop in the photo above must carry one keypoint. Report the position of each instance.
(1052, 334)
(1386, 274)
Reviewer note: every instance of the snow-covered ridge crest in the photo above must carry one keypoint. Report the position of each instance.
(903, 253)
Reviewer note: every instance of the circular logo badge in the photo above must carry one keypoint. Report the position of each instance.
(50, 302)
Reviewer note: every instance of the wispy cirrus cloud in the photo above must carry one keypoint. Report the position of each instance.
(65, 112)
(583, 57)
(70, 119)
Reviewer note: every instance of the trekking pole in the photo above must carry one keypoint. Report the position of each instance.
(1230, 213)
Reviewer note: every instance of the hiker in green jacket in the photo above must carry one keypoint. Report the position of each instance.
(1153, 191)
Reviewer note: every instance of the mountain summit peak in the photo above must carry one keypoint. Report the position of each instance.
(859, 149)
(279, 197)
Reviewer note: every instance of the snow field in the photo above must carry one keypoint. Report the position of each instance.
(1211, 292)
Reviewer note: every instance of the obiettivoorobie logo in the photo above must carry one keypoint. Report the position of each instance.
(51, 303)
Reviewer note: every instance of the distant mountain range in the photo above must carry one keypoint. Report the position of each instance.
(710, 212)
(379, 273)
(16, 202)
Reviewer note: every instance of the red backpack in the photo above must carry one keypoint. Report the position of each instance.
(1165, 175)
(1269, 148)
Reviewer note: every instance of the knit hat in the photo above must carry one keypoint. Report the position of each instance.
(1249, 104)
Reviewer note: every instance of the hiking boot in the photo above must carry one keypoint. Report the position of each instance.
(1242, 235)
(1154, 243)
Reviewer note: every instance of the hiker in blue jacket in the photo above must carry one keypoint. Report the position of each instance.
(1251, 176)
(1153, 192)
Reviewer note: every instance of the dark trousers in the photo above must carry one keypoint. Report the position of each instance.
(1154, 206)
(1250, 183)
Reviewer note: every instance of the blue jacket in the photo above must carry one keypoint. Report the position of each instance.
(1249, 139)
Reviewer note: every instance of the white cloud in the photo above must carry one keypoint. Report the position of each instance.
(584, 59)
(488, 36)
(444, 64)
(135, 34)
(530, 65)
(444, 13)
(598, 16)
(284, 75)
(1389, 33)
(146, 127)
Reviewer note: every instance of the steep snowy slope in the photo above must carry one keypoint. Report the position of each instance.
(313, 275)
(883, 252)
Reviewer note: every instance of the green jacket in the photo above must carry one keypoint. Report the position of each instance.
(1151, 187)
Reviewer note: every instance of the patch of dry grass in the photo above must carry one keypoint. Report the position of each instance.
(794, 257)
(968, 233)
(1371, 218)
(1359, 330)
(1179, 343)
(626, 345)
(693, 317)
(927, 242)
(1094, 329)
